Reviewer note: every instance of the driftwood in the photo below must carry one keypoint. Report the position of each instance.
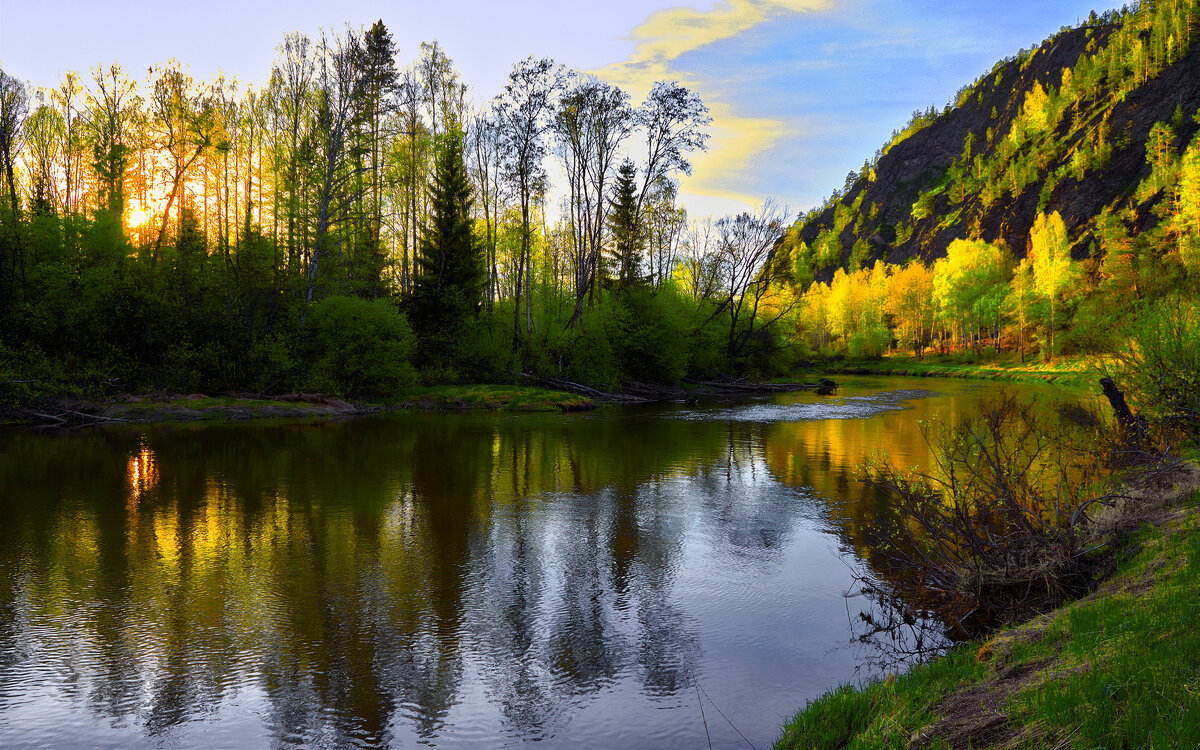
(67, 418)
(583, 390)
(825, 387)
(634, 392)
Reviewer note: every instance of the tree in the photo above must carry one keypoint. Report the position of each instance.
(450, 279)
(626, 230)
(672, 120)
(750, 267)
(338, 91)
(184, 127)
(1053, 270)
(663, 222)
(593, 119)
(380, 84)
(14, 108)
(524, 110)
(910, 303)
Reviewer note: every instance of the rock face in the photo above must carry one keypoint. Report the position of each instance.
(922, 162)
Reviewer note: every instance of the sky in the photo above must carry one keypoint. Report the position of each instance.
(800, 91)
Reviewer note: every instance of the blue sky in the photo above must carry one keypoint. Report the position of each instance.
(802, 91)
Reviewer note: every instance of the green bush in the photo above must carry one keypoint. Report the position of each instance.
(648, 334)
(359, 346)
(1159, 365)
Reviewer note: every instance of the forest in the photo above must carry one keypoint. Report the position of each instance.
(353, 225)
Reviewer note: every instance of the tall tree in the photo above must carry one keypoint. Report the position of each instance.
(14, 108)
(184, 126)
(381, 81)
(625, 228)
(672, 120)
(592, 121)
(450, 282)
(113, 109)
(338, 90)
(524, 109)
(1053, 270)
(751, 265)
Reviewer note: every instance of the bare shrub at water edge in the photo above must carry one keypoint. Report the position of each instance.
(995, 531)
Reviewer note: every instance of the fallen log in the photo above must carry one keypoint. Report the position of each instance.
(583, 390)
(68, 418)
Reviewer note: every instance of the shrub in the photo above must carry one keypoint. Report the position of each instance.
(996, 531)
(359, 346)
(1159, 365)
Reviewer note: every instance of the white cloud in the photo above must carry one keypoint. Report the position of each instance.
(669, 34)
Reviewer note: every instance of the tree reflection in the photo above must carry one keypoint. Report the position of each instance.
(354, 580)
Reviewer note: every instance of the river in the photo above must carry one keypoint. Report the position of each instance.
(659, 577)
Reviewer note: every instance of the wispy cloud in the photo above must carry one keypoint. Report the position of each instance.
(669, 34)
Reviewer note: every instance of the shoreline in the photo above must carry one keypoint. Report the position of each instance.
(161, 408)
(1031, 684)
(1070, 373)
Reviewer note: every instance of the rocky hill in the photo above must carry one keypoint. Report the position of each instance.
(1066, 127)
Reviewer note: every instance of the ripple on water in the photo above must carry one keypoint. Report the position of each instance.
(847, 407)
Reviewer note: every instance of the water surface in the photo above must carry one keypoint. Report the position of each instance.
(625, 578)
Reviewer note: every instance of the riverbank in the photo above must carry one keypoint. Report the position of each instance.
(1065, 371)
(1117, 668)
(198, 407)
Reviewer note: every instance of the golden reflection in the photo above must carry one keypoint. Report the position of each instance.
(142, 471)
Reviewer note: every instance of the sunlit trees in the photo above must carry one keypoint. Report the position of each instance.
(1053, 270)
(969, 286)
(183, 127)
(1020, 301)
(910, 303)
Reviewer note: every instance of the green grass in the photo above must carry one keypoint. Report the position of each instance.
(1077, 371)
(883, 713)
(490, 397)
(1134, 659)
(1117, 669)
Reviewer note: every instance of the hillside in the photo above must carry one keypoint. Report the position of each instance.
(1063, 128)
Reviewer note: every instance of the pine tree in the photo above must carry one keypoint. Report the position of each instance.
(624, 224)
(450, 278)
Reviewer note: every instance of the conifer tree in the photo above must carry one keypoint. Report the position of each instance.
(624, 224)
(450, 278)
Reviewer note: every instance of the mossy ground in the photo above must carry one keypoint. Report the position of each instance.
(1119, 668)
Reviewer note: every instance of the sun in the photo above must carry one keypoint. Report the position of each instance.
(137, 217)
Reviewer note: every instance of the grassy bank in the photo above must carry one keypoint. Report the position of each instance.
(490, 397)
(1118, 668)
(1072, 371)
(196, 407)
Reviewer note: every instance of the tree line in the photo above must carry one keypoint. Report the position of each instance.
(353, 225)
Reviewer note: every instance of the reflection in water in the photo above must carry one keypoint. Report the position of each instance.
(441, 579)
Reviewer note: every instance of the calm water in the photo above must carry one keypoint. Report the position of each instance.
(603, 580)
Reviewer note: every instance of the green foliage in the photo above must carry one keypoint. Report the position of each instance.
(1159, 365)
(648, 334)
(359, 346)
(625, 227)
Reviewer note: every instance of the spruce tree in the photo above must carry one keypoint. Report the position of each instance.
(625, 227)
(450, 281)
